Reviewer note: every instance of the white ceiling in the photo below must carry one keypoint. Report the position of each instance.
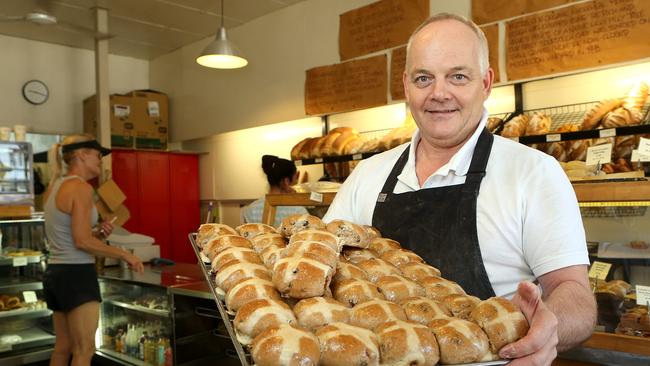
(142, 29)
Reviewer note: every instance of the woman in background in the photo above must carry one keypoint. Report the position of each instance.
(70, 282)
(281, 175)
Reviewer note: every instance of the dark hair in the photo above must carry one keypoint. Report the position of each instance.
(276, 169)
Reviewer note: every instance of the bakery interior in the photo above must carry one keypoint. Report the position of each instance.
(198, 160)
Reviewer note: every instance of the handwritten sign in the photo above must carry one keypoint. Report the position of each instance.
(599, 154)
(380, 25)
(348, 86)
(492, 36)
(642, 295)
(487, 11)
(579, 36)
(599, 270)
(397, 64)
(644, 146)
(29, 296)
(636, 157)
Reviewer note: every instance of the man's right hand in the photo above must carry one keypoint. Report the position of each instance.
(134, 262)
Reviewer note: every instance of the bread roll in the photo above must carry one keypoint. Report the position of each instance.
(354, 291)
(271, 254)
(539, 124)
(322, 236)
(259, 315)
(399, 257)
(372, 232)
(249, 231)
(262, 241)
(234, 271)
(235, 253)
(556, 150)
(593, 116)
(407, 343)
(460, 341)
(381, 245)
(397, 288)
(349, 234)
(317, 312)
(301, 277)
(577, 150)
(515, 127)
(460, 305)
(373, 313)
(299, 222)
(327, 149)
(348, 270)
(344, 345)
(501, 320)
(356, 255)
(248, 290)
(295, 151)
(493, 123)
(567, 127)
(415, 271)
(285, 345)
(223, 242)
(376, 268)
(437, 288)
(423, 310)
(208, 232)
(313, 249)
(636, 97)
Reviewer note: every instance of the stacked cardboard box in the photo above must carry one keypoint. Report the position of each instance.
(138, 119)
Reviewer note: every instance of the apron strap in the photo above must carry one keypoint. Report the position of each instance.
(480, 158)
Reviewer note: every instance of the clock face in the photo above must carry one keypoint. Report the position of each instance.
(35, 92)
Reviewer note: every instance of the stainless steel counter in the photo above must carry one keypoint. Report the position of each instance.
(180, 274)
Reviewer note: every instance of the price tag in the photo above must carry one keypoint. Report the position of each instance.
(553, 137)
(298, 162)
(318, 160)
(609, 132)
(644, 146)
(153, 108)
(29, 296)
(599, 154)
(357, 157)
(636, 157)
(642, 295)
(515, 139)
(599, 270)
(34, 259)
(315, 196)
(19, 261)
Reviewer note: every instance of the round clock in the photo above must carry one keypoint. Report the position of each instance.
(35, 92)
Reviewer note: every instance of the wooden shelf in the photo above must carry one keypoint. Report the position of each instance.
(272, 201)
(619, 343)
(610, 192)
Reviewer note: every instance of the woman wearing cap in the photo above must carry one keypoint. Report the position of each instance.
(70, 281)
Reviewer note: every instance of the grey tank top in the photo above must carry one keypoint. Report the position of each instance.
(58, 228)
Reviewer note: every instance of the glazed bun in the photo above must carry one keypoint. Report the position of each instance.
(423, 310)
(352, 291)
(285, 345)
(234, 271)
(460, 305)
(501, 320)
(373, 313)
(271, 254)
(293, 224)
(248, 290)
(372, 232)
(415, 271)
(460, 341)
(249, 231)
(208, 232)
(234, 253)
(348, 270)
(313, 249)
(317, 312)
(397, 288)
(322, 236)
(376, 268)
(407, 343)
(437, 288)
(349, 234)
(301, 277)
(223, 242)
(361, 346)
(259, 315)
(262, 241)
(356, 255)
(381, 245)
(399, 257)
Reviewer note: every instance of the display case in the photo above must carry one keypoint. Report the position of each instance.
(16, 179)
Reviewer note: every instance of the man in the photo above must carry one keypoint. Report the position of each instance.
(490, 213)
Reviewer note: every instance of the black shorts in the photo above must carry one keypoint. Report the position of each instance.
(67, 286)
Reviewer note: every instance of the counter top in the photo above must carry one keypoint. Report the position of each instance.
(165, 276)
(197, 289)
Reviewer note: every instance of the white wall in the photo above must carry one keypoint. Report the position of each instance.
(70, 76)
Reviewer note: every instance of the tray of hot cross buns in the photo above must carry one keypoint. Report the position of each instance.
(311, 293)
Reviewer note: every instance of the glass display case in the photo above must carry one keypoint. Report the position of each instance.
(16, 173)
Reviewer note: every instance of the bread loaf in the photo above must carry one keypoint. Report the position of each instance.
(295, 151)
(516, 127)
(415, 271)
(327, 149)
(354, 145)
(234, 271)
(249, 231)
(317, 146)
(381, 245)
(501, 320)
(399, 257)
(577, 150)
(354, 291)
(460, 341)
(371, 314)
(235, 253)
(348, 270)
(539, 124)
(314, 250)
(259, 315)
(459, 305)
(356, 255)
(349, 234)
(286, 345)
(397, 288)
(493, 123)
(437, 288)
(556, 150)
(593, 116)
(344, 345)
(248, 290)
(301, 277)
(624, 145)
(294, 223)
(636, 97)
(321, 236)
(567, 127)
(423, 310)
(620, 117)
(317, 312)
(262, 241)
(305, 150)
(376, 268)
(407, 343)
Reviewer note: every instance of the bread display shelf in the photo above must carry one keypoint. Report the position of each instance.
(612, 192)
(138, 308)
(21, 284)
(619, 343)
(20, 261)
(32, 337)
(335, 159)
(24, 314)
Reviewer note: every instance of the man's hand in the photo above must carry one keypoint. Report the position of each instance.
(106, 228)
(538, 347)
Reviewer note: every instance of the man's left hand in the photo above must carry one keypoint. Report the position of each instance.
(106, 229)
(538, 347)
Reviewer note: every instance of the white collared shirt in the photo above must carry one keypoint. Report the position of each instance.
(528, 218)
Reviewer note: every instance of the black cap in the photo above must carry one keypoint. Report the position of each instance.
(92, 144)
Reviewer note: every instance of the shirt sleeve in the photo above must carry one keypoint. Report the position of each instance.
(344, 205)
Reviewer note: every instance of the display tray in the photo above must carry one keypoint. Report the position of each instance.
(120, 303)
(15, 284)
(24, 313)
(19, 261)
(244, 356)
(29, 338)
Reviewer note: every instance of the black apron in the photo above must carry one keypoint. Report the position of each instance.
(439, 224)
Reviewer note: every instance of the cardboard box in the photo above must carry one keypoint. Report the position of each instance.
(151, 119)
(122, 125)
(110, 203)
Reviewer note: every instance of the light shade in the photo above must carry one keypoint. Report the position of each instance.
(221, 54)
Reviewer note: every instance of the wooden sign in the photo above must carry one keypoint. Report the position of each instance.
(397, 63)
(347, 86)
(378, 26)
(492, 36)
(488, 11)
(580, 36)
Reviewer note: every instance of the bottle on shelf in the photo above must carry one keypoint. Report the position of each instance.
(118, 340)
(123, 342)
(160, 349)
(141, 346)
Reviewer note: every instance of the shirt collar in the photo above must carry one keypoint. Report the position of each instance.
(458, 164)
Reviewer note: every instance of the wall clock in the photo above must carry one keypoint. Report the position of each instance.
(35, 92)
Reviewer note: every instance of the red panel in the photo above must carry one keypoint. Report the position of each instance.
(153, 178)
(125, 174)
(185, 214)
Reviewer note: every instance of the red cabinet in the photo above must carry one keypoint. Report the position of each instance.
(162, 192)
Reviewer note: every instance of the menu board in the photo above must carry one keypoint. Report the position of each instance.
(492, 35)
(580, 36)
(487, 11)
(397, 63)
(347, 86)
(380, 25)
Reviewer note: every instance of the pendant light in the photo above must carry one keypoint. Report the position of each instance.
(221, 53)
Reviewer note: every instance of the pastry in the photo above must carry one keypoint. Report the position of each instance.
(249, 231)
(322, 236)
(316, 147)
(259, 315)
(493, 123)
(381, 245)
(593, 116)
(376, 268)
(356, 255)
(235, 253)
(437, 288)
(317, 312)
(353, 291)
(313, 249)
(636, 97)
(248, 290)
(327, 149)
(621, 117)
(223, 242)
(516, 127)
(407, 343)
(360, 345)
(423, 310)
(208, 232)
(349, 234)
(567, 127)
(301, 277)
(416, 271)
(461, 341)
(348, 270)
(373, 313)
(399, 257)
(295, 151)
(299, 222)
(577, 150)
(260, 242)
(459, 305)
(285, 345)
(271, 254)
(397, 288)
(234, 271)
(539, 124)
(556, 150)
(372, 232)
(305, 150)
(501, 320)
